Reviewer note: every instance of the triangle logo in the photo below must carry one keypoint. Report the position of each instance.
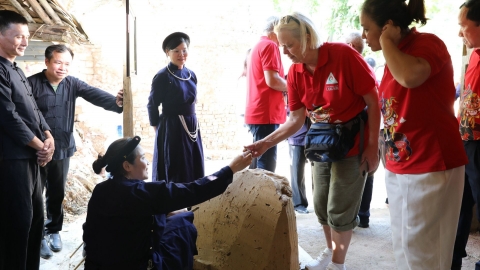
(331, 79)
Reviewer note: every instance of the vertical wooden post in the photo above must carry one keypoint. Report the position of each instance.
(128, 127)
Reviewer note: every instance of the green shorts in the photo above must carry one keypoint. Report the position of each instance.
(337, 192)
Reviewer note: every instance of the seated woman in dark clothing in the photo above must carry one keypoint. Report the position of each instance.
(127, 225)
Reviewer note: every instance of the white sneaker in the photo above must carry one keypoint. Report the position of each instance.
(321, 262)
(332, 266)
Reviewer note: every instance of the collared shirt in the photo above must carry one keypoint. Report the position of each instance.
(20, 119)
(58, 107)
(126, 218)
(334, 92)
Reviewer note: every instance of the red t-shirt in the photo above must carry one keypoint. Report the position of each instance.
(333, 93)
(469, 114)
(264, 104)
(421, 129)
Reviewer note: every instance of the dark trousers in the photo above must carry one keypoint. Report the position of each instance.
(177, 247)
(21, 212)
(54, 178)
(179, 242)
(364, 212)
(267, 161)
(471, 196)
(297, 173)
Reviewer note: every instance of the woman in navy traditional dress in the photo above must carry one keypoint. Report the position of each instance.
(130, 223)
(178, 153)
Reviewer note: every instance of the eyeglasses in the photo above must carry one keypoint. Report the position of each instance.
(286, 19)
(185, 51)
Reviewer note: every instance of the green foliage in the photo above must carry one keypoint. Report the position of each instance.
(344, 16)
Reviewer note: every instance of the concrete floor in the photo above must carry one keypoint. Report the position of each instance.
(369, 249)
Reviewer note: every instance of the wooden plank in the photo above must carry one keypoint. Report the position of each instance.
(48, 9)
(128, 128)
(39, 10)
(5, 6)
(63, 16)
(22, 11)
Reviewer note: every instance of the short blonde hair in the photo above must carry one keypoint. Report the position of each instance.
(299, 26)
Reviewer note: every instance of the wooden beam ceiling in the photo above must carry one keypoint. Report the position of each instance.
(48, 20)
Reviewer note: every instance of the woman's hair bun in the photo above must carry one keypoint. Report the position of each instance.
(99, 164)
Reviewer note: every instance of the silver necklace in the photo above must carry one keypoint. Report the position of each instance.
(180, 77)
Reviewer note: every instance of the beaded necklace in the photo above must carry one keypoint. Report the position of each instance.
(180, 77)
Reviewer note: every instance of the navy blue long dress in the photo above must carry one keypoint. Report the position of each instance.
(177, 157)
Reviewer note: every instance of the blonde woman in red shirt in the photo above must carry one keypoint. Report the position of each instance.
(333, 83)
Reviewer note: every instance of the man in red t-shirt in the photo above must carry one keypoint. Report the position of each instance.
(469, 21)
(265, 109)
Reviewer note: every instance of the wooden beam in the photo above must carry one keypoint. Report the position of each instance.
(55, 33)
(128, 125)
(50, 12)
(22, 11)
(40, 29)
(47, 32)
(41, 13)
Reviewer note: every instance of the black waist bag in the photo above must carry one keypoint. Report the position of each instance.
(331, 142)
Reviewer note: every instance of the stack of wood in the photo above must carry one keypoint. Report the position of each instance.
(48, 20)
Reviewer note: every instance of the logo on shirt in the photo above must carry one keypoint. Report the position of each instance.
(332, 83)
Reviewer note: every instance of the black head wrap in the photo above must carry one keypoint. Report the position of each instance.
(172, 36)
(114, 163)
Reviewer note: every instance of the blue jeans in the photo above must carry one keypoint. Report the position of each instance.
(364, 212)
(267, 161)
(297, 173)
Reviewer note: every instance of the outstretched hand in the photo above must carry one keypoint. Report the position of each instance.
(240, 162)
(257, 148)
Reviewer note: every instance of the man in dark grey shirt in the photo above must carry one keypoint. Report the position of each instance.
(55, 93)
(25, 143)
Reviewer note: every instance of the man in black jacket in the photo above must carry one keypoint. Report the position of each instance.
(55, 93)
(25, 143)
